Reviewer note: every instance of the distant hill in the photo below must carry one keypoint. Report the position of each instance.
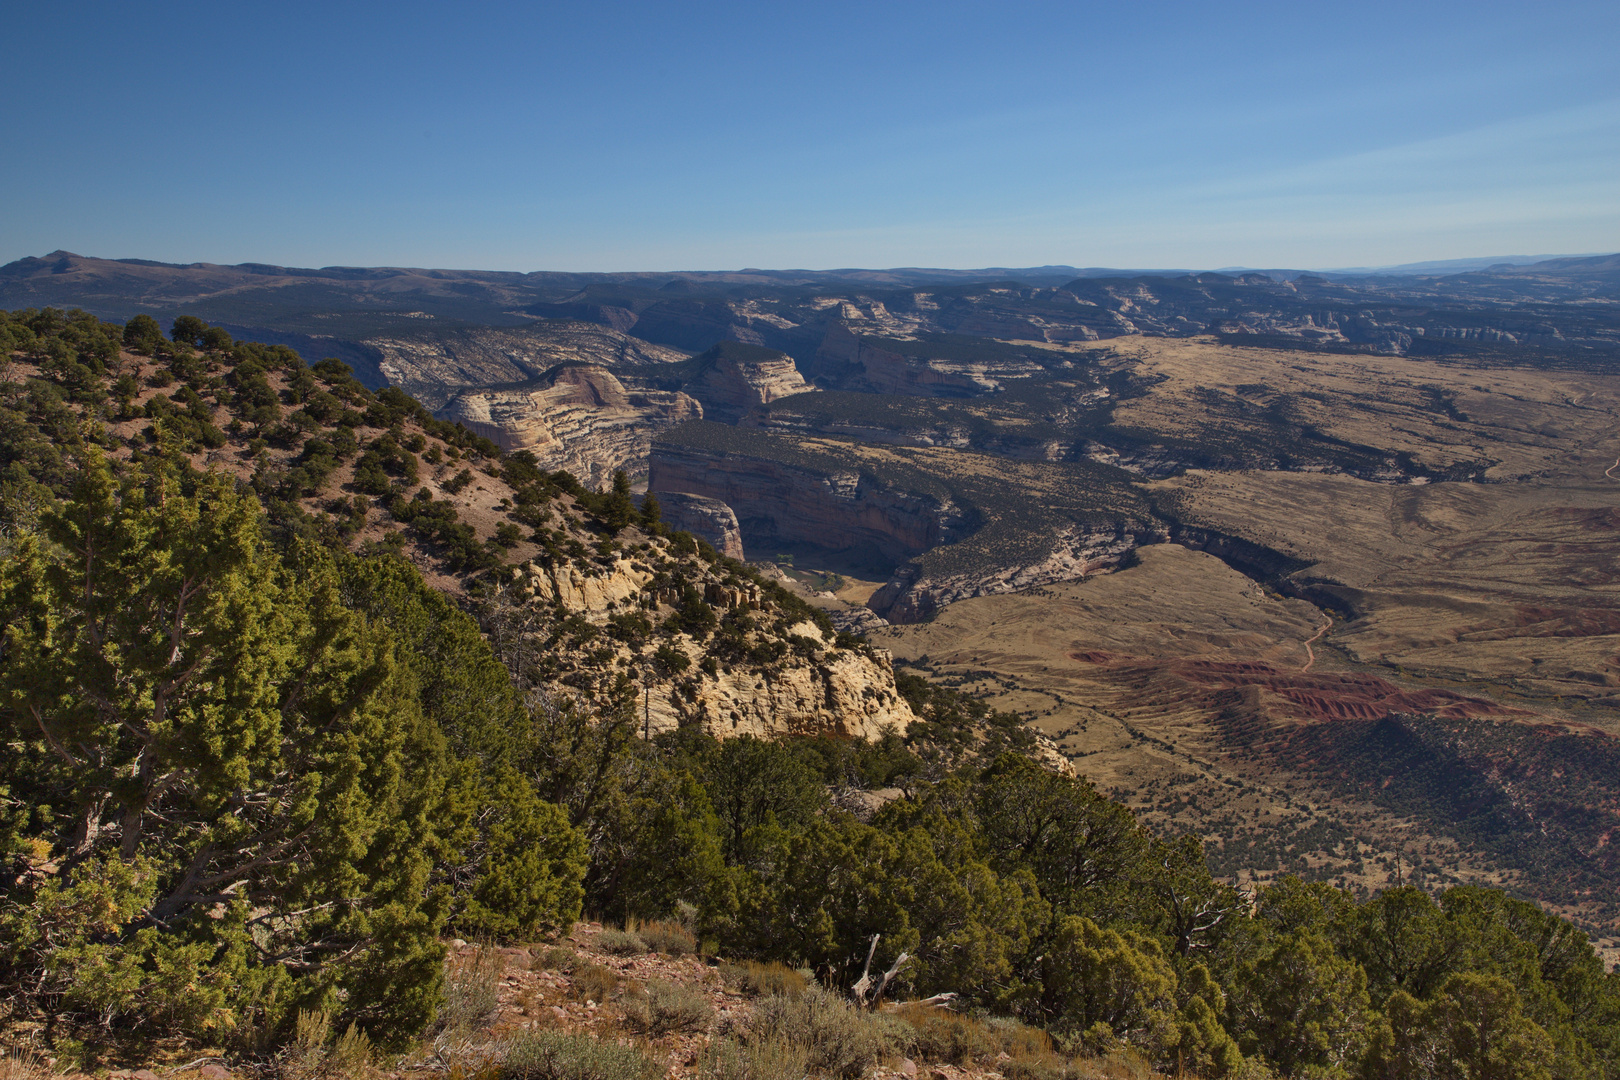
(364, 314)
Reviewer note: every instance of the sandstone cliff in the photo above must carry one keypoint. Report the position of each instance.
(732, 379)
(574, 417)
(829, 509)
(711, 519)
(433, 365)
(780, 677)
(887, 371)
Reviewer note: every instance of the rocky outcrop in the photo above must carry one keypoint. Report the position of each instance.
(575, 417)
(815, 687)
(914, 594)
(733, 379)
(434, 365)
(787, 420)
(709, 518)
(886, 371)
(788, 504)
(848, 692)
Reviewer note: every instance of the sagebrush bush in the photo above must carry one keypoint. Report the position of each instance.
(760, 980)
(668, 938)
(555, 958)
(663, 1007)
(311, 1055)
(940, 1035)
(471, 987)
(838, 1039)
(593, 982)
(764, 1059)
(553, 1055)
(620, 943)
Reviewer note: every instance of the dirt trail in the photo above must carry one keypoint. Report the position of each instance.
(1311, 653)
(1609, 472)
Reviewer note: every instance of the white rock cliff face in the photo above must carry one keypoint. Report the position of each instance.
(842, 691)
(575, 417)
(434, 366)
(730, 388)
(711, 519)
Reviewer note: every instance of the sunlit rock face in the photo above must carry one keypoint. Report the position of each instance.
(711, 519)
(575, 417)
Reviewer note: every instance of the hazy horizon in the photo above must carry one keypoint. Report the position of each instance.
(1435, 265)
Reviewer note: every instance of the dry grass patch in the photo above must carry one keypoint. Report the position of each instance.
(728, 1059)
(762, 980)
(671, 939)
(472, 987)
(593, 982)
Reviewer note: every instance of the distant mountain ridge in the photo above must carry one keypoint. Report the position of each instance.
(362, 315)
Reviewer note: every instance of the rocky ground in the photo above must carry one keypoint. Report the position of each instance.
(595, 983)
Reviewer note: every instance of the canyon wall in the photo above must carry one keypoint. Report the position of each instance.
(574, 417)
(732, 380)
(710, 519)
(778, 502)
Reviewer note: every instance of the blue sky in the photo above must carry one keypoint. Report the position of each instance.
(537, 136)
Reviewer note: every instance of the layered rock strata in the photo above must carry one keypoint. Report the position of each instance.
(433, 366)
(709, 518)
(575, 417)
(790, 505)
(885, 371)
(812, 688)
(913, 594)
(732, 380)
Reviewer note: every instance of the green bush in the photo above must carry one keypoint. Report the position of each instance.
(300, 692)
(552, 1055)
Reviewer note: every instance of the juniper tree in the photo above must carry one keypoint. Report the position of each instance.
(233, 769)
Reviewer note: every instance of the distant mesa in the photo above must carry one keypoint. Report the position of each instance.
(578, 417)
(733, 378)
